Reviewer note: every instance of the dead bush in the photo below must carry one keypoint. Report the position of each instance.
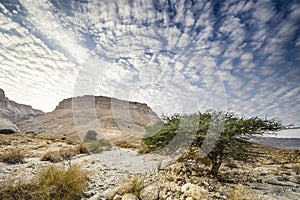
(65, 153)
(13, 156)
(82, 149)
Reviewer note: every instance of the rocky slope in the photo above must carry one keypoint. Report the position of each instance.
(273, 177)
(11, 113)
(117, 120)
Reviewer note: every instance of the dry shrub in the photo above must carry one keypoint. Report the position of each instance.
(82, 149)
(135, 185)
(52, 183)
(13, 156)
(127, 145)
(52, 156)
(63, 183)
(65, 153)
(17, 188)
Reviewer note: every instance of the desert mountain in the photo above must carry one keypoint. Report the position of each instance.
(282, 143)
(112, 118)
(12, 113)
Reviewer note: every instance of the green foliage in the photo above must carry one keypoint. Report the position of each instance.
(99, 145)
(225, 134)
(90, 136)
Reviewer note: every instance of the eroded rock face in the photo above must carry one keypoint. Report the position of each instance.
(112, 118)
(11, 113)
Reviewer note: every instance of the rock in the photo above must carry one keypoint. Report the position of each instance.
(111, 194)
(205, 183)
(129, 196)
(272, 180)
(90, 193)
(197, 192)
(173, 187)
(95, 197)
(150, 192)
(163, 193)
(185, 187)
(117, 197)
(11, 113)
(124, 188)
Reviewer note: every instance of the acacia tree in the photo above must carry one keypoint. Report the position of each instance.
(224, 138)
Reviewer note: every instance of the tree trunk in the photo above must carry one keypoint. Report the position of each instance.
(215, 166)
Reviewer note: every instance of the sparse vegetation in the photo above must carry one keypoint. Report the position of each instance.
(135, 185)
(125, 144)
(90, 136)
(225, 136)
(13, 156)
(99, 145)
(52, 183)
(65, 153)
(82, 149)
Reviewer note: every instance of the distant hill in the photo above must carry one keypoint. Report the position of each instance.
(282, 143)
(11, 113)
(115, 119)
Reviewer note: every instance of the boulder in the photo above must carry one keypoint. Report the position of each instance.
(150, 192)
(197, 192)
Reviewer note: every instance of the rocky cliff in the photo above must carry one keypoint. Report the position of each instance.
(11, 113)
(112, 118)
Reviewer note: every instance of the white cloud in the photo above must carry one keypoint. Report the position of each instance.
(145, 55)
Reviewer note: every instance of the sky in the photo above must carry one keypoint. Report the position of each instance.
(176, 56)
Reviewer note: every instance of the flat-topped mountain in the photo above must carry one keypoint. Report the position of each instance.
(12, 113)
(114, 119)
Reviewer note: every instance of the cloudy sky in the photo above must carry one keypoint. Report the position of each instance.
(177, 56)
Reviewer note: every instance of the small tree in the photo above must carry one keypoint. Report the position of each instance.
(90, 136)
(227, 138)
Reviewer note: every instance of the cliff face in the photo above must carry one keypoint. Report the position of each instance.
(11, 113)
(112, 118)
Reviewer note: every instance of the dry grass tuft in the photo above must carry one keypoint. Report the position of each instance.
(82, 149)
(13, 156)
(52, 183)
(65, 153)
(136, 184)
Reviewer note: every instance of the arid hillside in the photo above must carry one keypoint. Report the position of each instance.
(12, 113)
(114, 119)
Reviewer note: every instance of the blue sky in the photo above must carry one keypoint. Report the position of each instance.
(176, 56)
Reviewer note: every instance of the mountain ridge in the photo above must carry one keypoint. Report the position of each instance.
(281, 143)
(11, 112)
